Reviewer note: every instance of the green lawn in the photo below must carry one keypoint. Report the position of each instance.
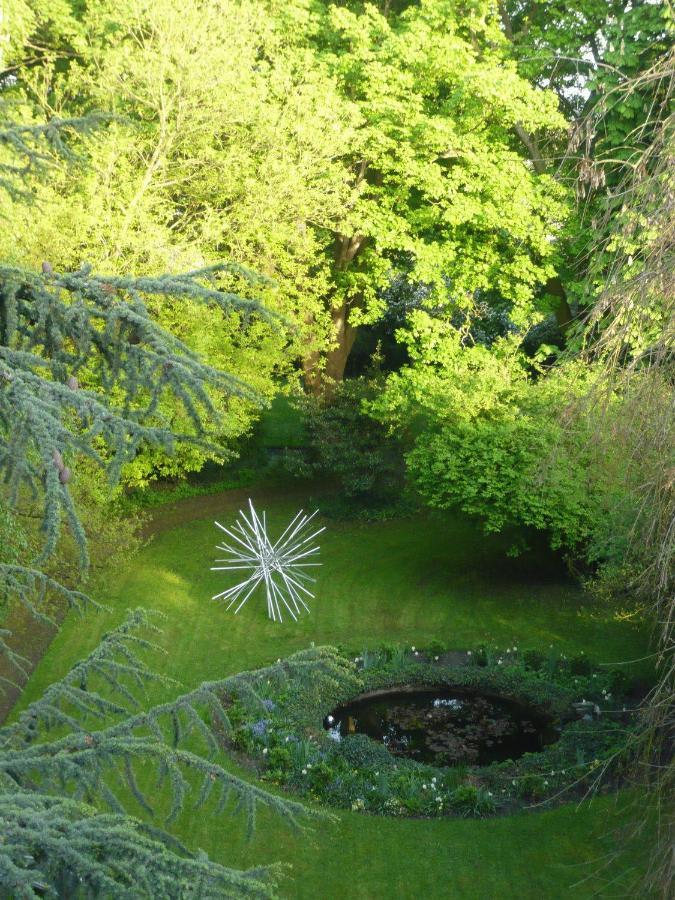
(414, 580)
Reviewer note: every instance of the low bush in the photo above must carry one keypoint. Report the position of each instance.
(359, 752)
(468, 800)
(344, 443)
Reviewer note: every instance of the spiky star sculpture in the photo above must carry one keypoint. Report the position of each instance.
(280, 566)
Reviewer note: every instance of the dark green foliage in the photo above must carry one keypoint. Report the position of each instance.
(362, 774)
(89, 726)
(468, 800)
(358, 751)
(346, 445)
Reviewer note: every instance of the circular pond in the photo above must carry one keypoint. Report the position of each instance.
(445, 726)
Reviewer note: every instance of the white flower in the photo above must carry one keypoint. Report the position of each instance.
(515, 649)
(416, 653)
(377, 773)
(468, 653)
(286, 738)
(412, 648)
(545, 783)
(330, 720)
(436, 658)
(434, 779)
(304, 771)
(309, 765)
(264, 751)
(508, 649)
(499, 662)
(424, 787)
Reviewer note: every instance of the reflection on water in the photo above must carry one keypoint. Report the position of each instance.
(445, 726)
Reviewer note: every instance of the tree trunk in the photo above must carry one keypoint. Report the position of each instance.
(563, 313)
(311, 372)
(336, 358)
(320, 380)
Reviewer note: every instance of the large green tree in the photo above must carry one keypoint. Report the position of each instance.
(586, 51)
(440, 187)
(137, 205)
(329, 145)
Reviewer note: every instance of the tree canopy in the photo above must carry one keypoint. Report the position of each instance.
(204, 204)
(329, 146)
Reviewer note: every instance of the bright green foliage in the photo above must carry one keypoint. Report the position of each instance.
(442, 179)
(497, 468)
(119, 212)
(324, 146)
(226, 149)
(491, 438)
(440, 188)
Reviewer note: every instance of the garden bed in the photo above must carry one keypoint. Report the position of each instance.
(290, 744)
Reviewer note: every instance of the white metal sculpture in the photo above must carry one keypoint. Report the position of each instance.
(280, 566)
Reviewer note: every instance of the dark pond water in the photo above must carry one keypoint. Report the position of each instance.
(445, 726)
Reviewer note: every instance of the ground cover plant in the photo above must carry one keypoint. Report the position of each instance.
(289, 745)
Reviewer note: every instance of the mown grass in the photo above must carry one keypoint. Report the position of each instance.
(413, 580)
